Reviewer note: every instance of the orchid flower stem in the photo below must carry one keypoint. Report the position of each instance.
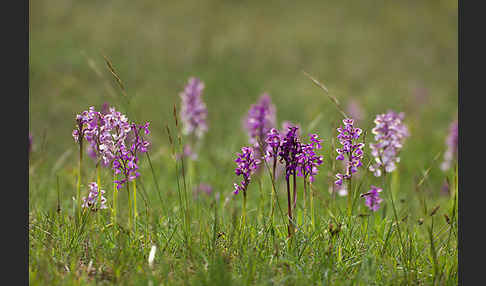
(78, 187)
(455, 187)
(273, 189)
(350, 196)
(98, 182)
(272, 198)
(262, 199)
(129, 207)
(289, 206)
(304, 197)
(115, 197)
(311, 199)
(98, 178)
(294, 206)
(243, 216)
(135, 215)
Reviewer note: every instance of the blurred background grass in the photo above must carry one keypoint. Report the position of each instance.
(399, 55)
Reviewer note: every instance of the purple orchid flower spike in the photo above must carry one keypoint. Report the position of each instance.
(452, 143)
(246, 166)
(193, 109)
(348, 135)
(372, 198)
(390, 134)
(93, 197)
(308, 160)
(260, 119)
(355, 110)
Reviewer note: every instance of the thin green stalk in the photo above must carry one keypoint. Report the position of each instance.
(155, 179)
(367, 228)
(243, 214)
(98, 178)
(350, 195)
(395, 182)
(289, 207)
(305, 199)
(115, 197)
(98, 182)
(181, 205)
(78, 187)
(311, 198)
(273, 190)
(455, 187)
(135, 215)
(181, 147)
(58, 209)
(262, 200)
(272, 201)
(294, 178)
(186, 213)
(129, 207)
(394, 213)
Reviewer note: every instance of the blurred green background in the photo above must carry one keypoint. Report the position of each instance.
(399, 55)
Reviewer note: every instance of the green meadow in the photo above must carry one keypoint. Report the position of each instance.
(378, 55)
